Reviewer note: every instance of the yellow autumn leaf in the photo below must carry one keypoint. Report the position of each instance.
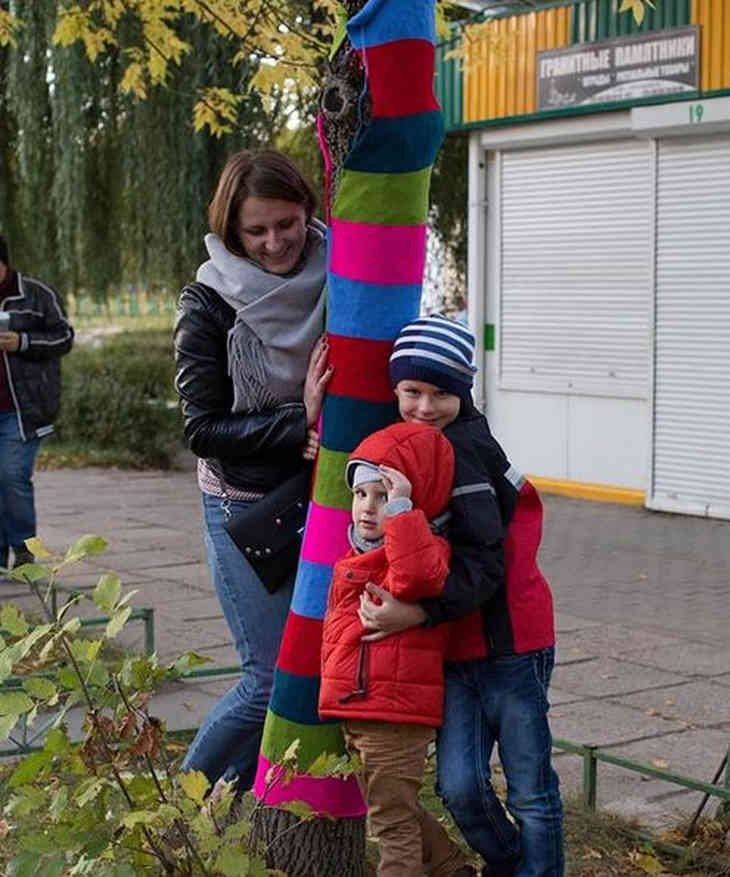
(195, 784)
(133, 81)
(73, 23)
(217, 110)
(9, 26)
(267, 77)
(637, 7)
(649, 864)
(95, 42)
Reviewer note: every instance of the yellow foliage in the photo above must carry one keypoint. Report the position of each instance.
(73, 24)
(96, 41)
(481, 42)
(217, 110)
(637, 7)
(443, 29)
(133, 80)
(9, 26)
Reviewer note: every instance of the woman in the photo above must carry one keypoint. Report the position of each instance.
(251, 371)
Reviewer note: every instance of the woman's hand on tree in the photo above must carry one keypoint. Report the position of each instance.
(315, 383)
(385, 614)
(311, 448)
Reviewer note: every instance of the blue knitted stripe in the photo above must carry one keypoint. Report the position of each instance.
(399, 144)
(310, 589)
(381, 21)
(347, 421)
(369, 310)
(295, 697)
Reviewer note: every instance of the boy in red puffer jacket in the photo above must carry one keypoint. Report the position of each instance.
(390, 693)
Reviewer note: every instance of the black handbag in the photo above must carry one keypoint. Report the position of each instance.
(269, 532)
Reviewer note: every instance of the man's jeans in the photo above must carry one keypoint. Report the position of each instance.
(227, 743)
(502, 700)
(17, 504)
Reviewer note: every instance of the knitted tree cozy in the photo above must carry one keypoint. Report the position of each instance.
(377, 213)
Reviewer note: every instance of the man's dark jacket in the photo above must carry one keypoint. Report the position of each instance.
(34, 370)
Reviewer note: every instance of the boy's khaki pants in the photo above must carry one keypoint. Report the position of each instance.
(411, 842)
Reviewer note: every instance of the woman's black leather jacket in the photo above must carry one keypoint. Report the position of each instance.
(253, 452)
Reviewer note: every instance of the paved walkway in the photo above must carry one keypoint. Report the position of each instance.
(643, 662)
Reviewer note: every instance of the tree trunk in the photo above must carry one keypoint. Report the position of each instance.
(311, 848)
(370, 138)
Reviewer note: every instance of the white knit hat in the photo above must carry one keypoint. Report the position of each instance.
(359, 472)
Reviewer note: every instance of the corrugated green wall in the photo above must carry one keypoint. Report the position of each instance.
(599, 19)
(449, 82)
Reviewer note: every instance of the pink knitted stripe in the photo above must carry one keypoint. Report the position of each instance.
(340, 798)
(383, 254)
(325, 539)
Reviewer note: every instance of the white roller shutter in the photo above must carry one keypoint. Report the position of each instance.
(575, 266)
(691, 447)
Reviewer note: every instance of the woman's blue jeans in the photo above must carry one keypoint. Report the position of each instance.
(227, 743)
(17, 503)
(502, 700)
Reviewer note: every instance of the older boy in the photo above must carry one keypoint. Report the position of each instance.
(495, 534)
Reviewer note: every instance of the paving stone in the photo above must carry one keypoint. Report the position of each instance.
(686, 658)
(695, 703)
(606, 676)
(615, 640)
(603, 723)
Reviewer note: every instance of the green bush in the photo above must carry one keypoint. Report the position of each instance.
(118, 402)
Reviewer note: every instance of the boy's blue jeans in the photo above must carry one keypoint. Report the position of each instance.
(227, 743)
(17, 503)
(502, 700)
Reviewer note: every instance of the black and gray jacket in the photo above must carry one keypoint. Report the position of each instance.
(495, 533)
(34, 370)
(253, 451)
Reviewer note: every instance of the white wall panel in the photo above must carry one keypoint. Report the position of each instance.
(576, 269)
(691, 464)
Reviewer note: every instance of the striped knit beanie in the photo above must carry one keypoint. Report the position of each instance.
(435, 350)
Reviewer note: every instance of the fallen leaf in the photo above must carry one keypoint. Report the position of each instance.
(649, 864)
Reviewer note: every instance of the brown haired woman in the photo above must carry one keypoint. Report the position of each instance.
(251, 371)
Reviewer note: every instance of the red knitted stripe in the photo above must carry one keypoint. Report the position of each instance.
(361, 368)
(400, 75)
(301, 645)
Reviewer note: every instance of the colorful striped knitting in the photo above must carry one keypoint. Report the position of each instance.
(376, 257)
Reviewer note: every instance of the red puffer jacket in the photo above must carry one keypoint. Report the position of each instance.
(399, 678)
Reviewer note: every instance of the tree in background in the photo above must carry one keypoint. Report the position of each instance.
(99, 187)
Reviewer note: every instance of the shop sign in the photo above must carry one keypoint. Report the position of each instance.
(626, 68)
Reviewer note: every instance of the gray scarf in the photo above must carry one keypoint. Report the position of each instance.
(360, 543)
(278, 320)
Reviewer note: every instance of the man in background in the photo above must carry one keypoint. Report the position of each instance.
(34, 335)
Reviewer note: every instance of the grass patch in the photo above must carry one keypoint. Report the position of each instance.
(604, 845)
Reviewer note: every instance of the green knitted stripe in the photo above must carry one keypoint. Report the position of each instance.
(330, 489)
(383, 199)
(313, 740)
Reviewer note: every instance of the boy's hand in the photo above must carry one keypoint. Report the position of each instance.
(381, 614)
(9, 341)
(396, 483)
